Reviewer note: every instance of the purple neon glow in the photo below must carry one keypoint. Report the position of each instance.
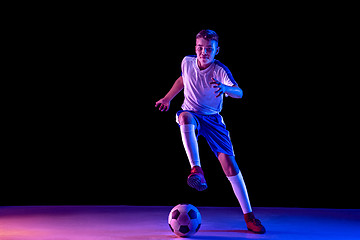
(130, 222)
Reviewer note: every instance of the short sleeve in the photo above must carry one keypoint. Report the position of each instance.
(227, 78)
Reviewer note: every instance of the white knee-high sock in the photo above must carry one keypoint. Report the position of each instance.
(238, 185)
(190, 144)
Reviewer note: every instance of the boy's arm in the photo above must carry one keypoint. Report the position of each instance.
(233, 91)
(164, 103)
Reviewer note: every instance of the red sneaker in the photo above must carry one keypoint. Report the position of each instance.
(253, 224)
(196, 179)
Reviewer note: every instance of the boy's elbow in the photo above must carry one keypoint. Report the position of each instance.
(236, 92)
(240, 93)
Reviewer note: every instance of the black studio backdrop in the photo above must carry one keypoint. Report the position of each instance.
(84, 130)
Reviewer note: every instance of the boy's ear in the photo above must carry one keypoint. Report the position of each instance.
(217, 50)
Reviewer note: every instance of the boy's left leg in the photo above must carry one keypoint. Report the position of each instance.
(234, 175)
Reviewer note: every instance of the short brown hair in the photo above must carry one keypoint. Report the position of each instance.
(208, 35)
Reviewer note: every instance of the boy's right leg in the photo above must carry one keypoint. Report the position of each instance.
(187, 128)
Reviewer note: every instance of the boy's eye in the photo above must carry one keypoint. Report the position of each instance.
(207, 49)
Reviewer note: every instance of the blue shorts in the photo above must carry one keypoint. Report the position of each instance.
(213, 128)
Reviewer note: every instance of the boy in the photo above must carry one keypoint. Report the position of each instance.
(201, 76)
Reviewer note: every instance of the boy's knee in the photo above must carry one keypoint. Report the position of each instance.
(228, 164)
(231, 171)
(186, 118)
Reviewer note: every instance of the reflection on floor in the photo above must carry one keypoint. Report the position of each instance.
(150, 222)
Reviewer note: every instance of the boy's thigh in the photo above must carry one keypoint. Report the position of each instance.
(217, 136)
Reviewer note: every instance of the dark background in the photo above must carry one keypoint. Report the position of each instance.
(83, 129)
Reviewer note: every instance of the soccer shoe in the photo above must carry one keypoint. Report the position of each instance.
(196, 179)
(253, 224)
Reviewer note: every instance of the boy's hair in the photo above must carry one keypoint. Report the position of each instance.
(208, 35)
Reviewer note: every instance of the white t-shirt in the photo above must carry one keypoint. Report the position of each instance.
(199, 94)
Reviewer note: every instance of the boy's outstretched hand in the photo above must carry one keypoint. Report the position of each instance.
(232, 91)
(222, 88)
(163, 104)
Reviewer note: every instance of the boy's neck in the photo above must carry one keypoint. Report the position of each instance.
(203, 67)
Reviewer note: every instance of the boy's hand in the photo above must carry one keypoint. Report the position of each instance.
(222, 88)
(164, 104)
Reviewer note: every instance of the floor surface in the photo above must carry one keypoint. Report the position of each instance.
(141, 222)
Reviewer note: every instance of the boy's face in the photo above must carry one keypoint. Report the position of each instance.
(206, 51)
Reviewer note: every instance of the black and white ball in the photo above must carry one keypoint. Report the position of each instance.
(184, 220)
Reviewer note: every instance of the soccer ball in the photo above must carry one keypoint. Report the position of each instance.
(184, 220)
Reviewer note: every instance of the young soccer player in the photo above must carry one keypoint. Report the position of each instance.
(205, 81)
